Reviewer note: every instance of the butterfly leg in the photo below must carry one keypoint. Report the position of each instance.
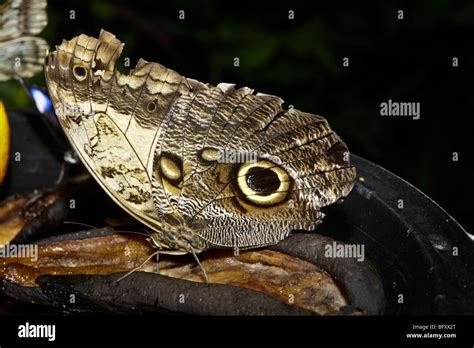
(137, 268)
(200, 265)
(158, 262)
(177, 242)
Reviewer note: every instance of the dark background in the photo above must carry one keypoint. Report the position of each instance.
(300, 60)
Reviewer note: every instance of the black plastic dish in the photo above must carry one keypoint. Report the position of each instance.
(414, 248)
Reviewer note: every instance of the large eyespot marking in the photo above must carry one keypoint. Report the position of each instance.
(262, 183)
(171, 167)
(80, 72)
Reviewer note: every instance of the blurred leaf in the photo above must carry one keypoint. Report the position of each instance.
(103, 9)
(309, 40)
(257, 54)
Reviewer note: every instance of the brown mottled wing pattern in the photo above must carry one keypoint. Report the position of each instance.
(233, 120)
(21, 53)
(155, 142)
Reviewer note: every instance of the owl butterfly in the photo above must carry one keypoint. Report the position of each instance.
(21, 53)
(158, 142)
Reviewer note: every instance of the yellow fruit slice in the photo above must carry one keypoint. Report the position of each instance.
(4, 142)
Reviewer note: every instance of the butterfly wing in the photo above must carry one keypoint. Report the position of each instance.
(22, 54)
(299, 165)
(22, 57)
(22, 18)
(154, 140)
(108, 117)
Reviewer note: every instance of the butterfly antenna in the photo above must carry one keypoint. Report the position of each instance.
(137, 268)
(112, 230)
(80, 224)
(146, 234)
(200, 265)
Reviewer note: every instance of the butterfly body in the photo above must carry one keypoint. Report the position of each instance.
(156, 143)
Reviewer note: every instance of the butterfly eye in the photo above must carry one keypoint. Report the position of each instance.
(80, 72)
(263, 183)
